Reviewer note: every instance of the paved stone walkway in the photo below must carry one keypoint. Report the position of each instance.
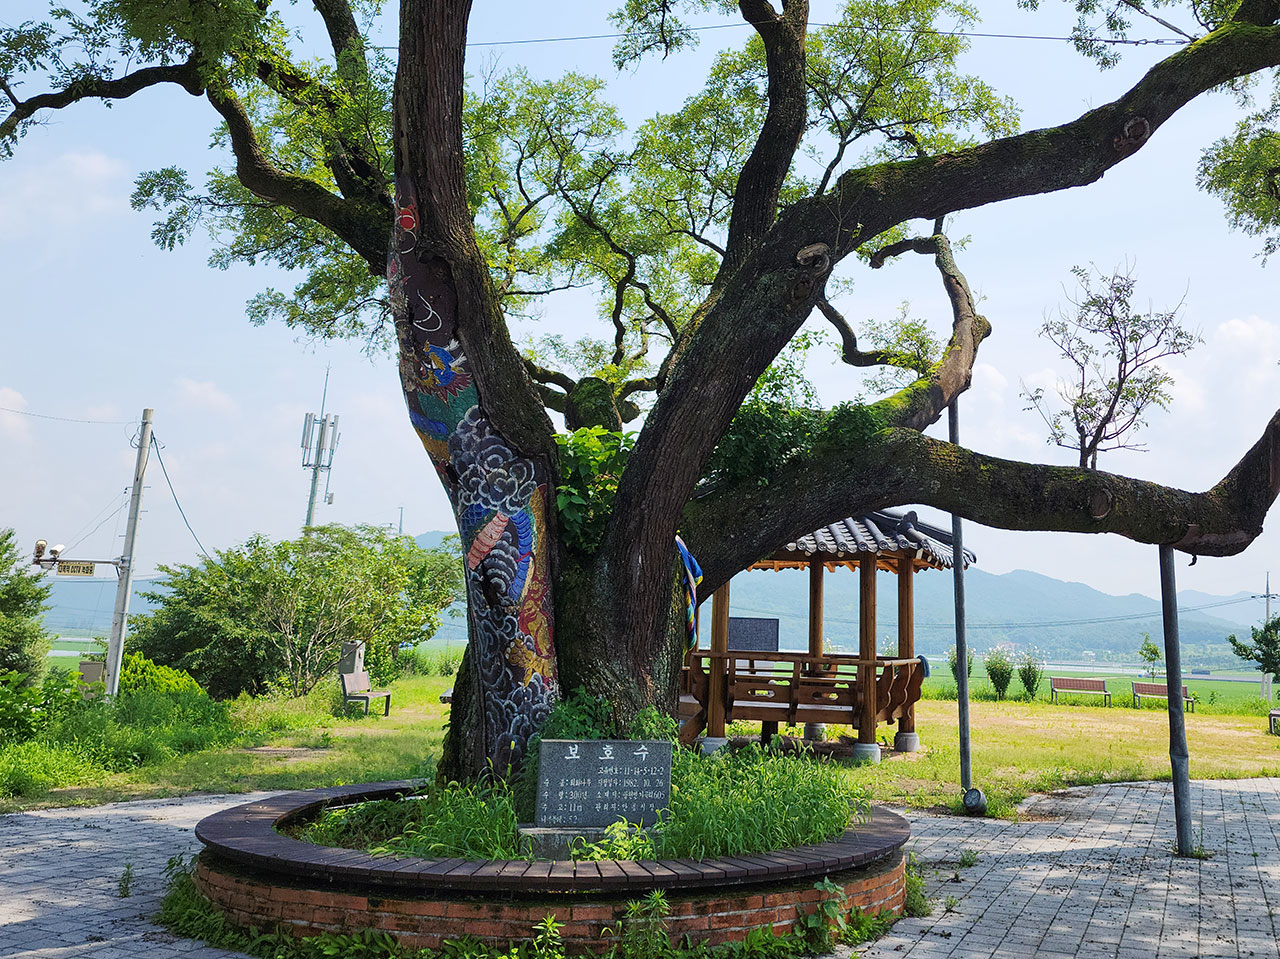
(1088, 873)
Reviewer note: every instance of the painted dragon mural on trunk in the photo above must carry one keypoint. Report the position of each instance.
(499, 498)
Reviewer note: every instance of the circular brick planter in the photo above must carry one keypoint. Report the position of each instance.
(262, 878)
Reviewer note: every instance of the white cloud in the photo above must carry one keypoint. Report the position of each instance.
(205, 395)
(13, 425)
(51, 201)
(990, 381)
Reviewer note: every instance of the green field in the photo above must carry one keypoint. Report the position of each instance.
(1215, 697)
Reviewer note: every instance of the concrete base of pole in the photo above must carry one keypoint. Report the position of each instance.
(711, 743)
(866, 752)
(906, 742)
(815, 732)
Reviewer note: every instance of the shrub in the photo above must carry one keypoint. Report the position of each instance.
(952, 657)
(137, 673)
(1031, 672)
(31, 769)
(141, 728)
(999, 671)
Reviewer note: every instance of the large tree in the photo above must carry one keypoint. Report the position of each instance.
(712, 232)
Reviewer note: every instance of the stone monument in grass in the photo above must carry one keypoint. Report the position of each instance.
(586, 785)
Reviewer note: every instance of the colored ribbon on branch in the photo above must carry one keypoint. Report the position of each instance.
(692, 577)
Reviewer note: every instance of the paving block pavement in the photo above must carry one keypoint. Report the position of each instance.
(1087, 873)
(60, 879)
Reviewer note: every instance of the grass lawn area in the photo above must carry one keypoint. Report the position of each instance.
(1211, 696)
(1019, 748)
(335, 752)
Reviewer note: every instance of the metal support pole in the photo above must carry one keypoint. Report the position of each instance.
(124, 572)
(974, 800)
(1177, 721)
(962, 645)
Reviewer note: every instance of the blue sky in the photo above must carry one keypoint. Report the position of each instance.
(99, 323)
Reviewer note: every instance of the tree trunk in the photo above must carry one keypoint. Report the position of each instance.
(500, 499)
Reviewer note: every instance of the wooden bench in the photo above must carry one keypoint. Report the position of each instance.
(1073, 684)
(1159, 691)
(355, 688)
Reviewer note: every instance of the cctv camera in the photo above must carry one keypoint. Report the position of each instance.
(57, 550)
(41, 545)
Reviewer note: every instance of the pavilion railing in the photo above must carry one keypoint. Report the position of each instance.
(787, 688)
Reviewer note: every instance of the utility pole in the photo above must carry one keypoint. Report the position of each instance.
(400, 531)
(1268, 596)
(124, 571)
(319, 443)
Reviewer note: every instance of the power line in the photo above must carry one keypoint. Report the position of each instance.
(160, 459)
(104, 522)
(64, 419)
(77, 539)
(905, 31)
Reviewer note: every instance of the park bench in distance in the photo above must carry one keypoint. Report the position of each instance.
(1074, 684)
(355, 688)
(1159, 691)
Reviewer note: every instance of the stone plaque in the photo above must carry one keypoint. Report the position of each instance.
(597, 782)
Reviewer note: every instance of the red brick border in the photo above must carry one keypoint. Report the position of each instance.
(261, 878)
(249, 836)
(267, 902)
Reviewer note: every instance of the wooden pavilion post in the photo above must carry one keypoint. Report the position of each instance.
(718, 667)
(906, 739)
(813, 732)
(815, 607)
(866, 748)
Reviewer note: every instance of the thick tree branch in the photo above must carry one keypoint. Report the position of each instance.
(755, 198)
(361, 224)
(185, 75)
(868, 201)
(542, 374)
(921, 403)
(900, 467)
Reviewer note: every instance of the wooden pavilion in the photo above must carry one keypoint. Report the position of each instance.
(722, 684)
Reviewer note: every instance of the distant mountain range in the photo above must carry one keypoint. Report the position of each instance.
(1066, 621)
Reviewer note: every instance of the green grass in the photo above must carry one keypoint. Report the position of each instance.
(1214, 698)
(728, 804)
(1020, 748)
(305, 747)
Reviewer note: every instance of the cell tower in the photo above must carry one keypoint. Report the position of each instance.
(319, 443)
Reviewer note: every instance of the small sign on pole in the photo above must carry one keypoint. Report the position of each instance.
(73, 568)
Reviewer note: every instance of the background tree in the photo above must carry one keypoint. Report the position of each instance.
(999, 670)
(710, 233)
(1116, 375)
(23, 594)
(275, 615)
(1151, 654)
(1264, 650)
